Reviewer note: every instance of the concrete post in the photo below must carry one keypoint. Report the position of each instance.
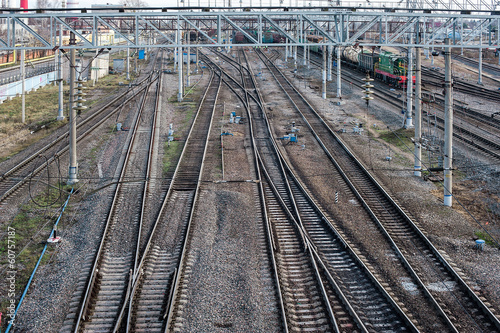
(128, 63)
(181, 62)
(295, 56)
(418, 112)
(305, 54)
(324, 72)
(197, 61)
(409, 89)
(23, 93)
(339, 76)
(448, 126)
(329, 75)
(73, 164)
(60, 112)
(188, 67)
(308, 57)
(480, 67)
(286, 50)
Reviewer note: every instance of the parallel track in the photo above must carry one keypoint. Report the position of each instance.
(156, 278)
(486, 142)
(360, 303)
(466, 310)
(116, 257)
(14, 178)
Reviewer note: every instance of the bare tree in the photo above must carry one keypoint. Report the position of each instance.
(46, 3)
(134, 3)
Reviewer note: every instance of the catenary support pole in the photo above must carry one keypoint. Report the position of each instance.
(197, 60)
(23, 88)
(73, 164)
(324, 73)
(188, 67)
(418, 112)
(480, 67)
(180, 60)
(60, 112)
(330, 50)
(339, 77)
(128, 64)
(448, 125)
(409, 89)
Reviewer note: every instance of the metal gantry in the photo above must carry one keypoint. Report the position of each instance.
(334, 26)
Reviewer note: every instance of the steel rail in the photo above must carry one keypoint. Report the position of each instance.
(91, 283)
(315, 257)
(292, 215)
(493, 319)
(59, 139)
(150, 239)
(141, 218)
(263, 203)
(180, 268)
(458, 130)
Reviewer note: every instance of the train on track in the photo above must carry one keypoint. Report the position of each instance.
(382, 65)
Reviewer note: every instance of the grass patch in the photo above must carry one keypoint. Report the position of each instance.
(487, 238)
(41, 113)
(171, 153)
(30, 220)
(399, 138)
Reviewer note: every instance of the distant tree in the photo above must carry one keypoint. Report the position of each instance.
(134, 3)
(47, 3)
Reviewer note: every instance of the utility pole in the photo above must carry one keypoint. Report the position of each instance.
(330, 53)
(188, 67)
(23, 93)
(339, 77)
(409, 88)
(448, 125)
(418, 111)
(60, 112)
(181, 61)
(480, 66)
(73, 164)
(128, 64)
(324, 72)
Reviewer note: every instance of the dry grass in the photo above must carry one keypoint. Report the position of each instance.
(41, 114)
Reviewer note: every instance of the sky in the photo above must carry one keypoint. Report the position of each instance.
(219, 3)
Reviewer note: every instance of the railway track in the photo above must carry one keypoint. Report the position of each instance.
(463, 308)
(13, 179)
(116, 257)
(493, 69)
(437, 79)
(487, 139)
(361, 303)
(156, 278)
(482, 138)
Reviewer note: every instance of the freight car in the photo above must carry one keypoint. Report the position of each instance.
(384, 66)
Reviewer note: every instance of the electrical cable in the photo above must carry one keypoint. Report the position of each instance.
(31, 176)
(453, 196)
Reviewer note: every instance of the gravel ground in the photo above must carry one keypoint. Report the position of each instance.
(80, 229)
(230, 288)
(229, 294)
(451, 230)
